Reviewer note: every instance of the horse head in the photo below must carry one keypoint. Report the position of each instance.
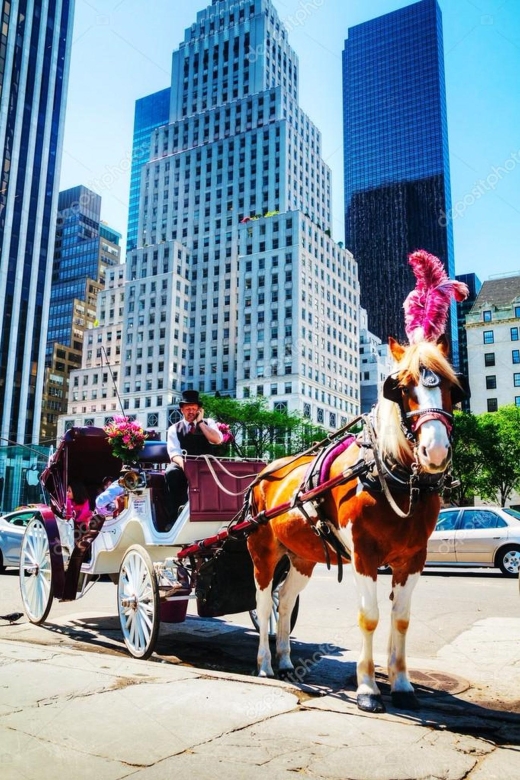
(420, 396)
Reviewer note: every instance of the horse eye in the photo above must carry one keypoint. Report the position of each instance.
(405, 391)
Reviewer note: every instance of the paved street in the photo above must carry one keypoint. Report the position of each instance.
(72, 702)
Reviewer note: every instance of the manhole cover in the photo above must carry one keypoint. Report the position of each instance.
(439, 681)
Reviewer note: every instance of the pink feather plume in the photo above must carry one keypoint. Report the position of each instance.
(426, 307)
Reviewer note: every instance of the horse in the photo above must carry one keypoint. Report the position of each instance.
(379, 506)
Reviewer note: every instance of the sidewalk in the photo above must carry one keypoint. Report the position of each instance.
(67, 713)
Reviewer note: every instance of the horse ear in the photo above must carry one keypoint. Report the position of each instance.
(396, 349)
(443, 344)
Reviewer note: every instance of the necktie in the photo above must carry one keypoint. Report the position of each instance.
(191, 428)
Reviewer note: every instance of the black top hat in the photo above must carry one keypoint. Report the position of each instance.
(190, 397)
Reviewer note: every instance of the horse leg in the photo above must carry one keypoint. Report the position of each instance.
(403, 695)
(265, 556)
(264, 605)
(368, 693)
(297, 578)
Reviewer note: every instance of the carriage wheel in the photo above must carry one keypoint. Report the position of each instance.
(35, 571)
(138, 602)
(280, 574)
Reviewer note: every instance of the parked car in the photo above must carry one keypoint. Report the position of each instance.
(477, 536)
(12, 528)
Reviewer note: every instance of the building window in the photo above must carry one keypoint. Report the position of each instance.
(517, 400)
(515, 355)
(492, 404)
(307, 410)
(489, 359)
(517, 311)
(486, 316)
(489, 337)
(491, 382)
(514, 334)
(320, 415)
(516, 380)
(281, 406)
(152, 420)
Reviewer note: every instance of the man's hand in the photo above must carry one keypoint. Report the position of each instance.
(199, 416)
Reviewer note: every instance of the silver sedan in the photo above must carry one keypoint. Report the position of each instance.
(12, 529)
(477, 536)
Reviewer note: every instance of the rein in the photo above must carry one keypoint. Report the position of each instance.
(208, 459)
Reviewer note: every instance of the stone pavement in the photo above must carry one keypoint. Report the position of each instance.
(68, 713)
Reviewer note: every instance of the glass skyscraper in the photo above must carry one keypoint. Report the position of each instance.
(397, 183)
(84, 250)
(35, 39)
(151, 112)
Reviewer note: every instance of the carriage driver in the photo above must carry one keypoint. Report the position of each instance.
(193, 435)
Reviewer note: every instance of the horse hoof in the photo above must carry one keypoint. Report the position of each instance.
(405, 700)
(370, 702)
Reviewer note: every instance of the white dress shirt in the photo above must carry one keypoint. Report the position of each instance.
(173, 444)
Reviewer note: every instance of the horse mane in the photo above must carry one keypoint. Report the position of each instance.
(424, 354)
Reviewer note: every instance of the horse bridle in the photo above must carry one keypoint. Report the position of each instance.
(412, 421)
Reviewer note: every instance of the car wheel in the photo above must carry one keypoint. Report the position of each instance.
(2, 567)
(508, 561)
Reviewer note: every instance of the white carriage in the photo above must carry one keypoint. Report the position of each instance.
(157, 567)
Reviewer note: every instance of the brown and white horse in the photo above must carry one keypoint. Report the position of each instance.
(408, 435)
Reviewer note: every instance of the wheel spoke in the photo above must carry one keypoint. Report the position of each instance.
(138, 602)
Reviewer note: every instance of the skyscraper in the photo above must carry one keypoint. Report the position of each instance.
(35, 41)
(397, 183)
(235, 212)
(235, 285)
(85, 249)
(150, 112)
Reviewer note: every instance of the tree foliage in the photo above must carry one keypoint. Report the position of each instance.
(499, 472)
(466, 457)
(486, 455)
(261, 432)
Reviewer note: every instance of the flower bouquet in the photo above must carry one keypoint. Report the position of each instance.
(228, 443)
(225, 430)
(127, 438)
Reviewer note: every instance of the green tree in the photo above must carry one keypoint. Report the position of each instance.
(467, 457)
(499, 474)
(261, 432)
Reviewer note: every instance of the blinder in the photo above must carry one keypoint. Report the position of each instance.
(458, 394)
(392, 389)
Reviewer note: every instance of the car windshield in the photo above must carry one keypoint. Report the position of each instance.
(512, 512)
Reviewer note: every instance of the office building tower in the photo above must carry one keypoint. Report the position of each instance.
(235, 209)
(35, 41)
(376, 363)
(150, 112)
(493, 338)
(94, 396)
(235, 285)
(85, 249)
(397, 183)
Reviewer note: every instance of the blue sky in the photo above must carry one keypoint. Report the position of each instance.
(122, 52)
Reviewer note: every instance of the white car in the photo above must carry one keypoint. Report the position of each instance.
(12, 529)
(477, 536)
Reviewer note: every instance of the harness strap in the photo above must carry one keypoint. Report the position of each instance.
(414, 479)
